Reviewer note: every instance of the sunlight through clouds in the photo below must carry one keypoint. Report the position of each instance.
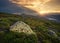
(41, 6)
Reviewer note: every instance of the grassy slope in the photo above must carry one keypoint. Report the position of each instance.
(40, 26)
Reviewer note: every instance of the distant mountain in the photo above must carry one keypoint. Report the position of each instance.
(53, 16)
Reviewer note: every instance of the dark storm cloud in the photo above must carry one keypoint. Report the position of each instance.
(4, 3)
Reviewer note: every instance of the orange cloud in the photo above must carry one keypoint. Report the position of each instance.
(41, 6)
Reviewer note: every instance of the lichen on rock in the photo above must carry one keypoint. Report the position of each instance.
(21, 27)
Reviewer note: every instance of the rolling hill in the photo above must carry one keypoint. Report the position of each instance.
(46, 31)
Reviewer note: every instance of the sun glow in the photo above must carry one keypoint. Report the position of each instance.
(46, 12)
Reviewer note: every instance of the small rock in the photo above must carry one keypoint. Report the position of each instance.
(52, 33)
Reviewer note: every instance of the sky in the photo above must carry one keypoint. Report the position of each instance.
(41, 6)
(52, 6)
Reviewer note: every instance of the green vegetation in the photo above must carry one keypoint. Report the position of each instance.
(41, 27)
(13, 37)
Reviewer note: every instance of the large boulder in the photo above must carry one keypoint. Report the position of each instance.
(21, 27)
(19, 32)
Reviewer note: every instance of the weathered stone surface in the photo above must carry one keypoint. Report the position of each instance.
(21, 27)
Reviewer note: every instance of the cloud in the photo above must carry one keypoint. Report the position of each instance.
(29, 1)
(53, 5)
(38, 5)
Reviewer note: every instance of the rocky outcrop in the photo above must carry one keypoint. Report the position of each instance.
(21, 27)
